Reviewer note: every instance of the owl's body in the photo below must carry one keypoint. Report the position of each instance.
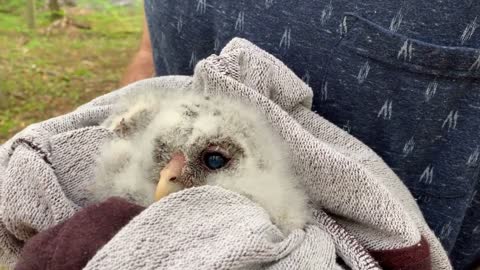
(220, 141)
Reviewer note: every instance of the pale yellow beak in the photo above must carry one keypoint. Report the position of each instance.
(168, 176)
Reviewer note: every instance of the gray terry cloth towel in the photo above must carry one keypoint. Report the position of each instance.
(44, 171)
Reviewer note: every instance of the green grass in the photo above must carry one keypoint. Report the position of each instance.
(49, 71)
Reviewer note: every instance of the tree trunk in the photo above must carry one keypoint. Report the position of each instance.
(53, 6)
(31, 14)
(55, 10)
(70, 3)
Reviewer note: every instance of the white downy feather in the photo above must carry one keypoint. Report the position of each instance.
(263, 174)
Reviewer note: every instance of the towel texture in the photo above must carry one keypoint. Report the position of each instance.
(361, 204)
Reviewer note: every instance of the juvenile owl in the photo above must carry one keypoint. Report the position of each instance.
(168, 141)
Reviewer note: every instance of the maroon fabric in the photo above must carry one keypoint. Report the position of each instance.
(416, 257)
(70, 245)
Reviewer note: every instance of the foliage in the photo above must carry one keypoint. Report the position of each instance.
(58, 66)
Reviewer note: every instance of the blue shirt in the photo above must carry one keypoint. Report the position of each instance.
(402, 76)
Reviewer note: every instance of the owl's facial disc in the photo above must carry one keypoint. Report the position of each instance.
(172, 179)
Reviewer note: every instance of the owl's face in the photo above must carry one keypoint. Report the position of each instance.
(194, 140)
(207, 138)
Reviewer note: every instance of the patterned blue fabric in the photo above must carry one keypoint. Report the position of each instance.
(402, 76)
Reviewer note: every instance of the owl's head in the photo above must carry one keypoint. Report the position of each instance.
(181, 140)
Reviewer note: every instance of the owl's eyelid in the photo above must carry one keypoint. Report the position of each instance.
(217, 149)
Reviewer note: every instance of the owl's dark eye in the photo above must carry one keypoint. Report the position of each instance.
(214, 160)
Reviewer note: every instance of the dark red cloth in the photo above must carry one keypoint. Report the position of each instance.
(71, 244)
(416, 257)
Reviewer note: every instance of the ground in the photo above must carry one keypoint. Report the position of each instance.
(61, 64)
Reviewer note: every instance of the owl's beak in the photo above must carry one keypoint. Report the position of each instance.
(167, 183)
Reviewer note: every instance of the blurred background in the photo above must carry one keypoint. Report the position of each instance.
(58, 54)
